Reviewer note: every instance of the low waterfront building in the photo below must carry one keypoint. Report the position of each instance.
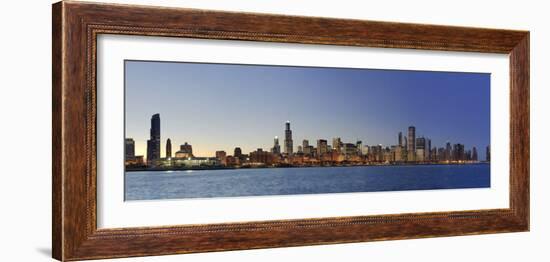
(327, 157)
(260, 156)
(232, 161)
(222, 156)
(164, 162)
(337, 157)
(135, 161)
(195, 162)
(186, 150)
(298, 159)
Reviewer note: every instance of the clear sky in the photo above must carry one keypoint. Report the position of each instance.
(222, 106)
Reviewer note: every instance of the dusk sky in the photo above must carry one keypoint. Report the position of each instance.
(223, 106)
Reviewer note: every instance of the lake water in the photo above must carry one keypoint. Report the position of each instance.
(147, 185)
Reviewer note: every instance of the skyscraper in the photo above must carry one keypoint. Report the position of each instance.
(428, 154)
(448, 152)
(238, 153)
(433, 154)
(288, 139)
(130, 148)
(400, 139)
(306, 148)
(168, 148)
(488, 154)
(398, 153)
(349, 149)
(276, 147)
(378, 153)
(359, 147)
(474, 154)
(441, 155)
(365, 150)
(336, 144)
(420, 149)
(322, 147)
(411, 153)
(458, 152)
(153, 144)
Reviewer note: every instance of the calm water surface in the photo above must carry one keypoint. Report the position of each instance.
(147, 185)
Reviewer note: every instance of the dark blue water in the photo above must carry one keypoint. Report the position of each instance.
(146, 185)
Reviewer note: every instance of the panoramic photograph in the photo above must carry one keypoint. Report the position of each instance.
(204, 130)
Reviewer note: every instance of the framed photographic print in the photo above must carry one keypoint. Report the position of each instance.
(182, 130)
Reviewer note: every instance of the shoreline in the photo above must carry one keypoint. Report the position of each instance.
(273, 167)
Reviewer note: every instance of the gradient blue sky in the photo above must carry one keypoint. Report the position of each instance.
(222, 106)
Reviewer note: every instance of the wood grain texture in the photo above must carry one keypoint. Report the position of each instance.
(76, 26)
(57, 191)
(519, 129)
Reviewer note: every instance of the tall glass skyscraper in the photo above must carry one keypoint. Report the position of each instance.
(420, 149)
(130, 146)
(411, 150)
(474, 154)
(153, 144)
(336, 144)
(400, 139)
(288, 139)
(276, 147)
(168, 148)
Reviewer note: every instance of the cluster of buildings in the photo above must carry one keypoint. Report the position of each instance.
(408, 150)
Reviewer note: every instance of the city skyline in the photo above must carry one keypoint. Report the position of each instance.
(367, 105)
(411, 148)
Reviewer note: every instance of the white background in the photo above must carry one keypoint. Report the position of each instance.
(25, 150)
(113, 211)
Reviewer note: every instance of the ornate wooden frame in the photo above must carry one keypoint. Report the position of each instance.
(76, 26)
